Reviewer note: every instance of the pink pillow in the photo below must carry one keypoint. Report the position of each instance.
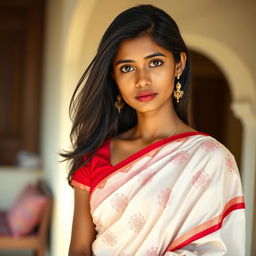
(25, 213)
(28, 190)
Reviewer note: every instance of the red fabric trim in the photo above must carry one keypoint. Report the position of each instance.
(151, 147)
(108, 171)
(208, 230)
(80, 185)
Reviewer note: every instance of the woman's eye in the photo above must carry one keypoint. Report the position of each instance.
(156, 63)
(127, 68)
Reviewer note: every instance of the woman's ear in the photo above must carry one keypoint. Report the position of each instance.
(181, 65)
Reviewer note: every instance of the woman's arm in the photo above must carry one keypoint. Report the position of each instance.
(83, 229)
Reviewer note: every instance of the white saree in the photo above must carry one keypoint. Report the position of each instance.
(179, 196)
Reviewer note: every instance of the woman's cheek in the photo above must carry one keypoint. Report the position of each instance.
(126, 81)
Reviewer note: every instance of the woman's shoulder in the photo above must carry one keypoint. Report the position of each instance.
(102, 152)
(209, 143)
(216, 153)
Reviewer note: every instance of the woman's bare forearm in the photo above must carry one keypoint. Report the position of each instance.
(79, 254)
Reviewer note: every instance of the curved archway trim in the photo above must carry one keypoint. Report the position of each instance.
(235, 70)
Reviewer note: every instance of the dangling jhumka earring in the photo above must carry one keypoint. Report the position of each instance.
(119, 104)
(178, 93)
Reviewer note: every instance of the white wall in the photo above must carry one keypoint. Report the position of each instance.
(59, 15)
(73, 31)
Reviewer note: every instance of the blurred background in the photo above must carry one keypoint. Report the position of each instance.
(46, 45)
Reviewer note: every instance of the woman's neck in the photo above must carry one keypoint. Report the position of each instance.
(156, 124)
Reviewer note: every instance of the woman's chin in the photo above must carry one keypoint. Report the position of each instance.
(146, 109)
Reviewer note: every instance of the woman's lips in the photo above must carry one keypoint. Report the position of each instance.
(146, 97)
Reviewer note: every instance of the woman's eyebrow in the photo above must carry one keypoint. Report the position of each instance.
(154, 55)
(157, 54)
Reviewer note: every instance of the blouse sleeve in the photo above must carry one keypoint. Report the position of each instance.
(223, 233)
(82, 178)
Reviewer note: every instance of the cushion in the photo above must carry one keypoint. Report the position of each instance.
(29, 189)
(24, 215)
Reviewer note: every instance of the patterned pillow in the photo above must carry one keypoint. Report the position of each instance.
(25, 213)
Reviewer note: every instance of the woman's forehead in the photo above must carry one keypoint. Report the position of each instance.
(139, 47)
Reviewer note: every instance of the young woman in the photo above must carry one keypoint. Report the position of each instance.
(145, 182)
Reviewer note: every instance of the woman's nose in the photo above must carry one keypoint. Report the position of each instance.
(143, 78)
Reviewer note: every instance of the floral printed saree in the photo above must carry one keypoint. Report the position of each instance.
(179, 196)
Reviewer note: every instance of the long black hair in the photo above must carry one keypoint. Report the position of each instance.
(92, 109)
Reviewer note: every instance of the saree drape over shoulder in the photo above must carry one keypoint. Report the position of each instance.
(179, 196)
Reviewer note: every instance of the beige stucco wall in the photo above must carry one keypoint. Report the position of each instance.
(74, 28)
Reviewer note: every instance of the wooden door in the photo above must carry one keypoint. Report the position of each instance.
(21, 42)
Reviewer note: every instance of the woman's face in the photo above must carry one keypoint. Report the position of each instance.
(144, 73)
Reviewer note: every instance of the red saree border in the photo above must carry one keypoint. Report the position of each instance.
(153, 146)
(207, 227)
(80, 185)
(101, 180)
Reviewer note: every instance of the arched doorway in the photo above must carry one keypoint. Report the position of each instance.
(211, 101)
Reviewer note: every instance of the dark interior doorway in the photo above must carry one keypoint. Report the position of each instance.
(211, 104)
(21, 51)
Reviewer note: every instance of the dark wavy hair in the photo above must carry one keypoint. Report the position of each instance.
(92, 109)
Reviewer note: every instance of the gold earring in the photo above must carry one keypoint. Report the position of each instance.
(119, 104)
(178, 93)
